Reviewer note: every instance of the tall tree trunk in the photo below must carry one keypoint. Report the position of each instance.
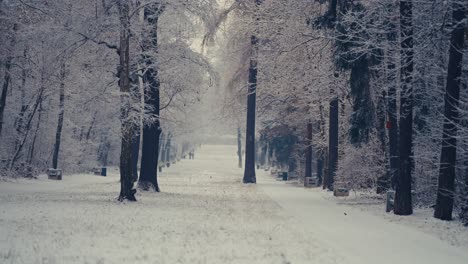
(332, 143)
(362, 118)
(239, 147)
(24, 106)
(126, 182)
(151, 131)
(249, 170)
(37, 105)
(308, 163)
(448, 157)
(321, 151)
(58, 134)
(3, 96)
(7, 77)
(332, 10)
(30, 154)
(91, 126)
(403, 196)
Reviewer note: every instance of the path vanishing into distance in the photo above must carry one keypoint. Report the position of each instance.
(204, 214)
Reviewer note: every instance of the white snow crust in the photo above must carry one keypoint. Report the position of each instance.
(204, 214)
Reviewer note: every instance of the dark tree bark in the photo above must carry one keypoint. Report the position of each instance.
(91, 126)
(151, 131)
(58, 133)
(448, 157)
(403, 197)
(362, 118)
(332, 10)
(249, 170)
(332, 143)
(464, 205)
(6, 83)
(24, 106)
(30, 155)
(321, 151)
(308, 164)
(239, 147)
(37, 105)
(7, 78)
(126, 182)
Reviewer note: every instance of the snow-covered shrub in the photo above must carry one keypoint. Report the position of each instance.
(359, 168)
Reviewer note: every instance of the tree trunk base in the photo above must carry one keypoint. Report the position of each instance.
(129, 197)
(249, 180)
(148, 186)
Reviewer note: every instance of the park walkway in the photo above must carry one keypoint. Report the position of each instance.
(204, 214)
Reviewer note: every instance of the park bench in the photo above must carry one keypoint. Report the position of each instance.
(341, 192)
(283, 175)
(100, 171)
(54, 174)
(310, 182)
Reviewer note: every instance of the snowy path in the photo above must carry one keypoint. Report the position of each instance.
(361, 236)
(203, 215)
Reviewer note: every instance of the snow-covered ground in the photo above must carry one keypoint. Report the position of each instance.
(205, 215)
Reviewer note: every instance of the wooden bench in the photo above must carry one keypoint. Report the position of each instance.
(283, 175)
(54, 174)
(310, 182)
(100, 171)
(341, 192)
